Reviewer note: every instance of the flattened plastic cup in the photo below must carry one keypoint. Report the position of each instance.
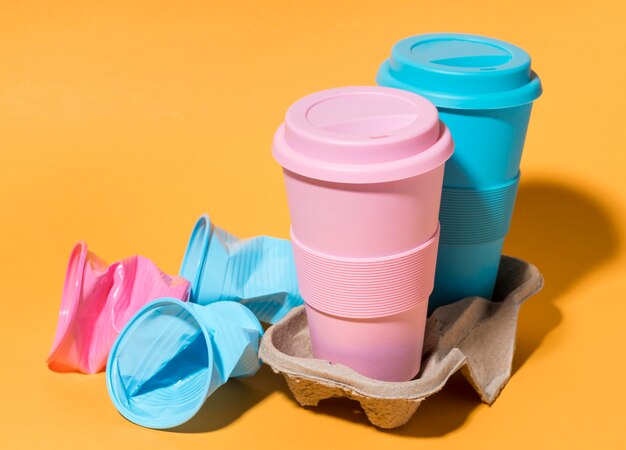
(363, 169)
(98, 299)
(387, 348)
(484, 89)
(172, 356)
(258, 272)
(63, 352)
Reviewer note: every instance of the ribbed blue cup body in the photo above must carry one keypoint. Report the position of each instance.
(475, 223)
(483, 89)
(487, 155)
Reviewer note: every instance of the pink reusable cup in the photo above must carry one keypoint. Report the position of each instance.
(363, 169)
(384, 348)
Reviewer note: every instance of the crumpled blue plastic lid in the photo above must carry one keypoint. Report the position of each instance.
(462, 71)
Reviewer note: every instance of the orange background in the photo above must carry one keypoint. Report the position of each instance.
(121, 122)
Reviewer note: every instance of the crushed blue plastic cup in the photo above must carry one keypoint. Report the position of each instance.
(258, 272)
(484, 89)
(173, 355)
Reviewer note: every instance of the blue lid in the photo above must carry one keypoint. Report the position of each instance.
(461, 71)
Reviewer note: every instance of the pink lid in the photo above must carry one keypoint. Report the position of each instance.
(366, 134)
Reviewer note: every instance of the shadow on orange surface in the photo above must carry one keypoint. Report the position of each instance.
(567, 234)
(549, 220)
(436, 416)
(232, 400)
(550, 223)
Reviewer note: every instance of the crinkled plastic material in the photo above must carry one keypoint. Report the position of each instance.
(172, 356)
(258, 272)
(98, 300)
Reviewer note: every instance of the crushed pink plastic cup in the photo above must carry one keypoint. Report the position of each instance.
(363, 169)
(98, 300)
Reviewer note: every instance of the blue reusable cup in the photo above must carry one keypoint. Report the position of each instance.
(483, 89)
(172, 356)
(258, 272)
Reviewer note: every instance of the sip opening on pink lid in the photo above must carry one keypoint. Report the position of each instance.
(361, 135)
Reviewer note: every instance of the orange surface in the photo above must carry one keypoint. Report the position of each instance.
(121, 123)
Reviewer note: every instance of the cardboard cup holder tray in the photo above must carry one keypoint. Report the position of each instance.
(474, 335)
